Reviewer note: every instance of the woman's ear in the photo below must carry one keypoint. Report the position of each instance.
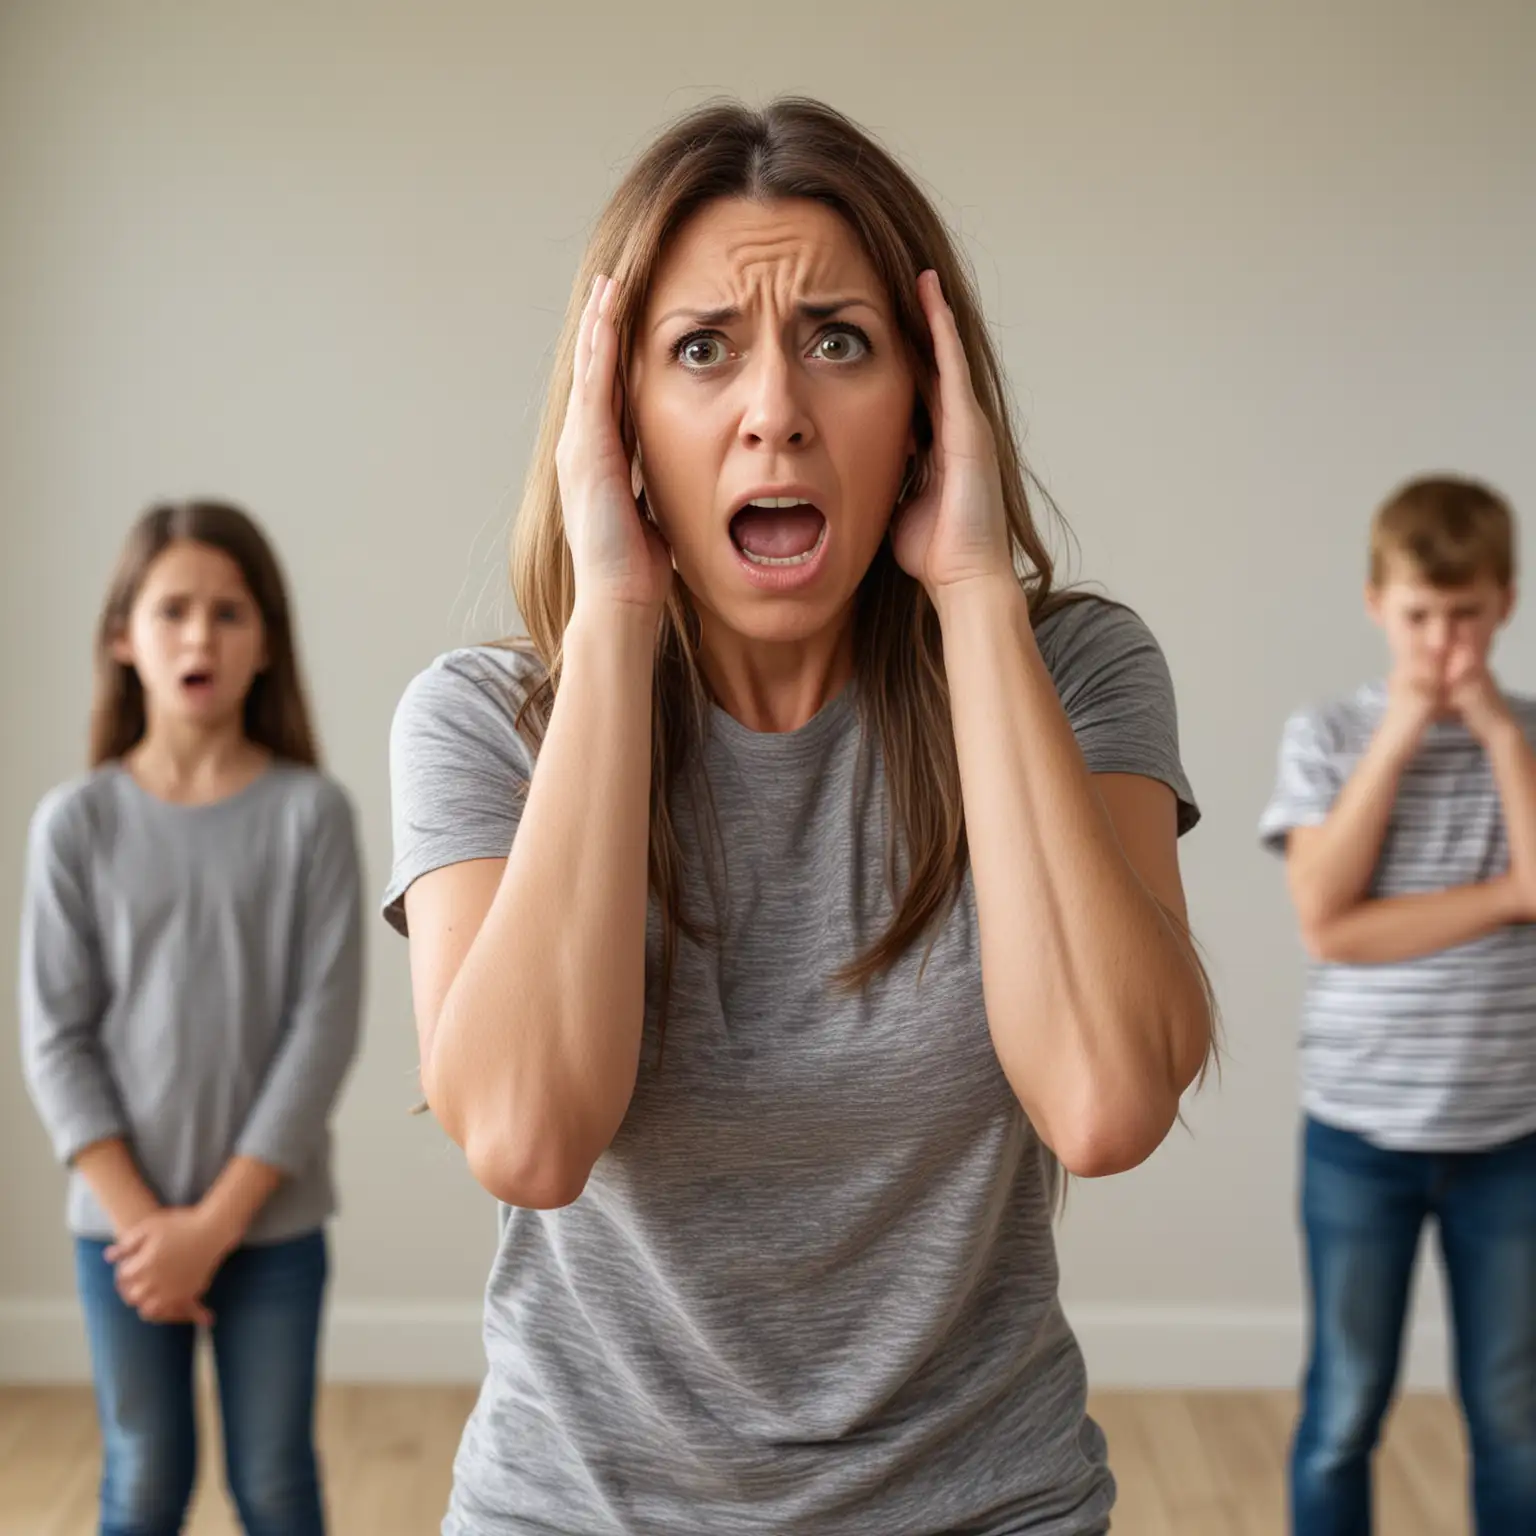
(121, 650)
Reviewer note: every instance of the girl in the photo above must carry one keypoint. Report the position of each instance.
(797, 899)
(190, 992)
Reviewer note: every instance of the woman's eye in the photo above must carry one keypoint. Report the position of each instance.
(701, 351)
(841, 346)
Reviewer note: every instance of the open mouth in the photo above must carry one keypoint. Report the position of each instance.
(779, 531)
(197, 682)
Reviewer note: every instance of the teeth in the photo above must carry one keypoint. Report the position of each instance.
(778, 503)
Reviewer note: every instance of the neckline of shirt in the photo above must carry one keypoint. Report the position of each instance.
(831, 718)
(268, 775)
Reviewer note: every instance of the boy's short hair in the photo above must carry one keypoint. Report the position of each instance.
(1451, 531)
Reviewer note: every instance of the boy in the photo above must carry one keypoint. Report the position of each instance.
(1407, 817)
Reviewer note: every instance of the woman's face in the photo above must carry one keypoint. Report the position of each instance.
(772, 397)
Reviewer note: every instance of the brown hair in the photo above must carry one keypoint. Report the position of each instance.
(1451, 531)
(276, 714)
(793, 148)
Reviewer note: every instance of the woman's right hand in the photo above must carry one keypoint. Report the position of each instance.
(618, 556)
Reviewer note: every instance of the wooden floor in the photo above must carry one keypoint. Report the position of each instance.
(1190, 1464)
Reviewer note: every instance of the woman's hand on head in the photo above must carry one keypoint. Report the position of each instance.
(619, 557)
(956, 530)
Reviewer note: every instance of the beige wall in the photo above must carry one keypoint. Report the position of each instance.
(1250, 264)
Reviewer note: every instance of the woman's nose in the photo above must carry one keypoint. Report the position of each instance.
(774, 415)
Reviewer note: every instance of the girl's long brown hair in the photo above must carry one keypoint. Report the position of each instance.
(276, 712)
(793, 148)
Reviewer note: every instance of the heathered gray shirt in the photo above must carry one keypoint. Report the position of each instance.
(191, 981)
(811, 1286)
(1435, 1054)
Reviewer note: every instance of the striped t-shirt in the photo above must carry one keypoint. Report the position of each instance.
(1437, 1053)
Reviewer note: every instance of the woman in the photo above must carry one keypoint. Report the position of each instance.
(771, 1051)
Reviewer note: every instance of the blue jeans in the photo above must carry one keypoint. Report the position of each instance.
(266, 1304)
(1363, 1210)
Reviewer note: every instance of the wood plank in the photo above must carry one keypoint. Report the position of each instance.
(1188, 1463)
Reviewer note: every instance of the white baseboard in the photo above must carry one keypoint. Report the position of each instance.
(1169, 1348)
(42, 1340)
(1146, 1348)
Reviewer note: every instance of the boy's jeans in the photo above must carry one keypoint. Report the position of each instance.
(266, 1303)
(1362, 1210)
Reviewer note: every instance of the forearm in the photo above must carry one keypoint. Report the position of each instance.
(113, 1177)
(533, 1057)
(1409, 927)
(235, 1199)
(1094, 999)
(1334, 872)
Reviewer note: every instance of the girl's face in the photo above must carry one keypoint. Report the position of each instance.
(195, 636)
(772, 397)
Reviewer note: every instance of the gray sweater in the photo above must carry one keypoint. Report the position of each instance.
(191, 981)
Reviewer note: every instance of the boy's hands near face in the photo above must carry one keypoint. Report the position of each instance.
(1415, 695)
(1471, 691)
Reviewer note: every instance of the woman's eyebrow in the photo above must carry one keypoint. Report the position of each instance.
(819, 309)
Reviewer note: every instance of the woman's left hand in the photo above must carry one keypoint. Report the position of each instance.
(956, 530)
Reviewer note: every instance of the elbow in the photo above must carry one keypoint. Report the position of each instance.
(537, 1171)
(1320, 938)
(1321, 925)
(1112, 1131)
(1114, 1118)
(535, 1179)
(1099, 1150)
(537, 1166)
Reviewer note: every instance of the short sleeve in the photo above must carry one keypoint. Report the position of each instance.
(1114, 684)
(1307, 781)
(458, 766)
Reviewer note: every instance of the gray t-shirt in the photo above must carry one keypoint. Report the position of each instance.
(1436, 1054)
(191, 980)
(811, 1286)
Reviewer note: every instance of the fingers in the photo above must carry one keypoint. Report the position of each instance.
(137, 1261)
(1462, 663)
(591, 420)
(155, 1305)
(955, 392)
(594, 332)
(584, 333)
(127, 1245)
(133, 1287)
(160, 1310)
(604, 358)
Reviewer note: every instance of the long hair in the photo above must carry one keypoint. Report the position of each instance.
(793, 148)
(276, 712)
